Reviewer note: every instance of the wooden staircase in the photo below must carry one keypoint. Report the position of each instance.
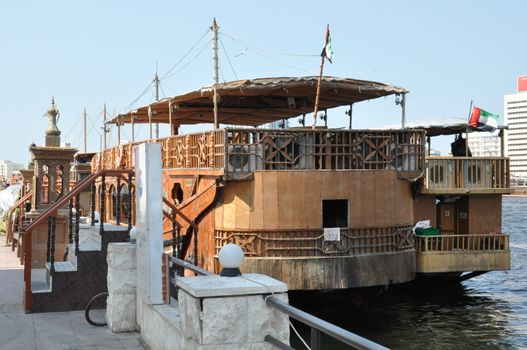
(81, 276)
(69, 285)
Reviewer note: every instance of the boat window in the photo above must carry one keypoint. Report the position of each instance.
(335, 213)
(177, 193)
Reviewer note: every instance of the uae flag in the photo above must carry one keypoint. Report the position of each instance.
(483, 120)
(327, 51)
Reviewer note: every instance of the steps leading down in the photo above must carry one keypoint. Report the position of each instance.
(80, 277)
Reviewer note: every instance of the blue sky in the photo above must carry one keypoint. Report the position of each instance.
(87, 53)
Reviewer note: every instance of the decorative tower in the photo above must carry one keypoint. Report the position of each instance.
(51, 181)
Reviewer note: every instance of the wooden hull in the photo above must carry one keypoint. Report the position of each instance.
(320, 273)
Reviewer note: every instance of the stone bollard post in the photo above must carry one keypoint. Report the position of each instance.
(230, 312)
(122, 281)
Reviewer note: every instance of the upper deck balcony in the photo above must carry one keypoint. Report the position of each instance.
(462, 175)
(238, 152)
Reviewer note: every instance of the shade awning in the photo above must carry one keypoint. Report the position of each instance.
(258, 101)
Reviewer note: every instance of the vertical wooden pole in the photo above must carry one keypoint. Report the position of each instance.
(150, 121)
(85, 133)
(118, 211)
(350, 114)
(215, 79)
(133, 127)
(104, 127)
(170, 116)
(317, 96)
(156, 85)
(118, 132)
(466, 131)
(403, 110)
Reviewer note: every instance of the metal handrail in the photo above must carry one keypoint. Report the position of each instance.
(320, 325)
(50, 211)
(186, 265)
(317, 325)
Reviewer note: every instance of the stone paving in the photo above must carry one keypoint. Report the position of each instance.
(58, 330)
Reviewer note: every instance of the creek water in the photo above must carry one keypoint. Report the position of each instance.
(486, 312)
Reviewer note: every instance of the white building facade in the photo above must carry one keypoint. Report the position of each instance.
(515, 116)
(7, 168)
(484, 144)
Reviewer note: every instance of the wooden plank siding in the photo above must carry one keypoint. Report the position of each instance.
(293, 199)
(451, 261)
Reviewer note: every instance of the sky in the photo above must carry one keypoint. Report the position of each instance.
(90, 53)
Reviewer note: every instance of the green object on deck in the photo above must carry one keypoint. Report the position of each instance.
(431, 231)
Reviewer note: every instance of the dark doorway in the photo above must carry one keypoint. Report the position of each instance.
(335, 213)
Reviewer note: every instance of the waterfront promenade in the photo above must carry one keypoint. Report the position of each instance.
(58, 330)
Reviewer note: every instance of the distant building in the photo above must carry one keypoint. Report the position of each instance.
(484, 144)
(7, 168)
(435, 153)
(515, 116)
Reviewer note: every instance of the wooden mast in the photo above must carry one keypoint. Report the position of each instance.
(85, 132)
(323, 55)
(104, 127)
(156, 86)
(466, 131)
(318, 92)
(170, 116)
(133, 127)
(214, 29)
(150, 122)
(118, 132)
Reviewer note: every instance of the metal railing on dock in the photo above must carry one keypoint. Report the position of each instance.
(316, 324)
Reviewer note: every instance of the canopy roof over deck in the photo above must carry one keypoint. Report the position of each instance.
(258, 101)
(444, 126)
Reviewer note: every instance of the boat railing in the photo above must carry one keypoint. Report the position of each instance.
(462, 243)
(245, 150)
(308, 149)
(467, 174)
(311, 242)
(317, 325)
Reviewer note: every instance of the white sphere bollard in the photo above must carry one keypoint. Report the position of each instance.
(231, 258)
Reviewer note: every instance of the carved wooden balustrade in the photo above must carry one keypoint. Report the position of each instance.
(246, 150)
(307, 149)
(466, 243)
(457, 175)
(460, 253)
(311, 242)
